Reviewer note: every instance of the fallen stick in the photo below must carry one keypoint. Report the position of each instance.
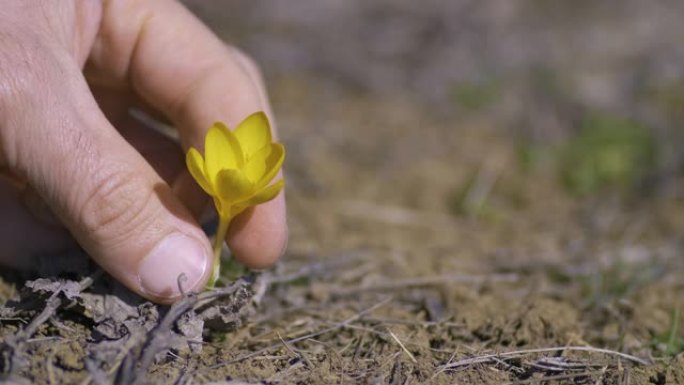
(508, 355)
(423, 282)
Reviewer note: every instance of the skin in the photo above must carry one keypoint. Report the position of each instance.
(77, 168)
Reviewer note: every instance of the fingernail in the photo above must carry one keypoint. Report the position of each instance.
(176, 254)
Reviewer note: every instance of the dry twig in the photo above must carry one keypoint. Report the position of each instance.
(396, 339)
(508, 355)
(408, 283)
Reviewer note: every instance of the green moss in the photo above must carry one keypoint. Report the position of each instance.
(669, 98)
(531, 156)
(608, 151)
(475, 96)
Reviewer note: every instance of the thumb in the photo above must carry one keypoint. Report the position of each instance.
(113, 202)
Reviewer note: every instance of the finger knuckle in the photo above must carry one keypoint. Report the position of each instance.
(116, 208)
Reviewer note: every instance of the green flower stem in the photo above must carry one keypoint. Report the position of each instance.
(220, 237)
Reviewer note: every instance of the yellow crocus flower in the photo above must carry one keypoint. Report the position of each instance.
(236, 171)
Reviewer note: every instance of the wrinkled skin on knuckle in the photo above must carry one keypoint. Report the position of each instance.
(115, 208)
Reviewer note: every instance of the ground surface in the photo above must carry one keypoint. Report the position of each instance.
(434, 238)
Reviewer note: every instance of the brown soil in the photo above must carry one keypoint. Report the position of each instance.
(388, 279)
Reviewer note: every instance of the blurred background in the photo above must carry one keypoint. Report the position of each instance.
(539, 138)
(539, 64)
(433, 105)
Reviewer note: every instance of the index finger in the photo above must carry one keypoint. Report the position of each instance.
(178, 66)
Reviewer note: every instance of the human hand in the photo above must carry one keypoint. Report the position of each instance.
(70, 71)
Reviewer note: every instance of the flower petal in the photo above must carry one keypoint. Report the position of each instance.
(195, 164)
(273, 162)
(221, 151)
(253, 133)
(263, 196)
(256, 165)
(233, 186)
